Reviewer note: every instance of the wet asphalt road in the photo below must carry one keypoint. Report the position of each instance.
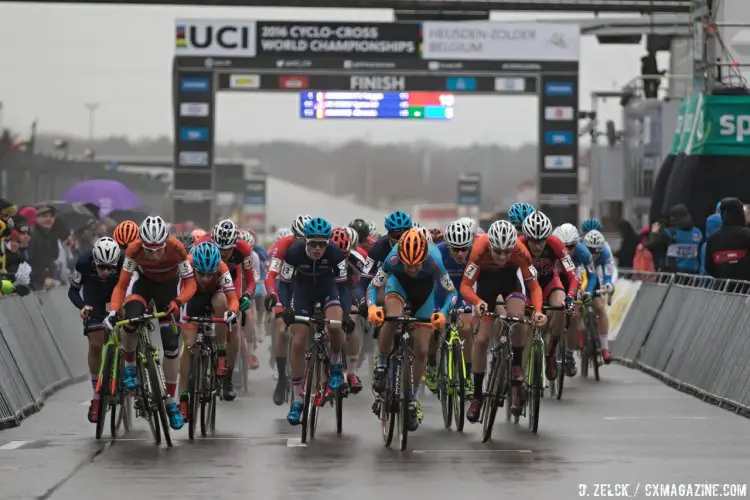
(626, 429)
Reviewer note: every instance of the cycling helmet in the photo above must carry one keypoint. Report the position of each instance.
(153, 231)
(592, 224)
(372, 228)
(568, 234)
(437, 235)
(249, 237)
(398, 221)
(318, 227)
(298, 225)
(422, 229)
(537, 226)
(502, 235)
(361, 227)
(283, 232)
(518, 212)
(187, 241)
(198, 234)
(594, 240)
(106, 252)
(412, 247)
(341, 237)
(225, 234)
(353, 236)
(458, 234)
(206, 257)
(126, 233)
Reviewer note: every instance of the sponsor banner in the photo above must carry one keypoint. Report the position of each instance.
(384, 83)
(244, 81)
(255, 192)
(194, 85)
(488, 40)
(193, 134)
(557, 113)
(469, 189)
(557, 138)
(625, 293)
(194, 109)
(215, 37)
(721, 126)
(558, 162)
(558, 88)
(508, 84)
(193, 159)
(461, 83)
(294, 82)
(320, 39)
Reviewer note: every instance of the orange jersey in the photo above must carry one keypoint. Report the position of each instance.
(481, 258)
(173, 264)
(221, 282)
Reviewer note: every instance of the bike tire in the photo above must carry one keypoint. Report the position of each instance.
(117, 410)
(194, 392)
(159, 397)
(216, 385)
(444, 393)
(495, 391)
(146, 400)
(205, 394)
(307, 395)
(594, 343)
(103, 385)
(406, 396)
(318, 389)
(339, 403)
(387, 415)
(244, 368)
(563, 347)
(537, 386)
(459, 393)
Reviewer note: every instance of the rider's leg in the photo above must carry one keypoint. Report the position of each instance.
(336, 339)
(556, 298)
(96, 343)
(188, 333)
(602, 326)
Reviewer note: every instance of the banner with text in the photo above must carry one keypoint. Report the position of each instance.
(721, 126)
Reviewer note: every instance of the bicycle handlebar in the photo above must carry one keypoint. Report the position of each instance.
(509, 319)
(205, 320)
(307, 320)
(407, 319)
(141, 319)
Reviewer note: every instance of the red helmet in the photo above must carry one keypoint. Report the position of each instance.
(341, 238)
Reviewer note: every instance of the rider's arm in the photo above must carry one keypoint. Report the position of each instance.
(584, 277)
(471, 275)
(129, 266)
(376, 256)
(226, 285)
(76, 281)
(567, 264)
(285, 283)
(278, 253)
(345, 297)
(189, 287)
(378, 282)
(249, 273)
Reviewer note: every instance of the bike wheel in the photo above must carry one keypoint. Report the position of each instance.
(147, 400)
(308, 385)
(495, 392)
(195, 391)
(339, 403)
(317, 390)
(117, 410)
(562, 353)
(594, 346)
(103, 388)
(207, 378)
(406, 396)
(387, 413)
(244, 368)
(444, 391)
(160, 397)
(459, 387)
(536, 387)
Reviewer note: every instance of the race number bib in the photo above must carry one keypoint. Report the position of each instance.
(287, 272)
(75, 278)
(342, 269)
(532, 273)
(567, 263)
(129, 265)
(471, 270)
(447, 282)
(185, 269)
(368, 266)
(379, 279)
(275, 266)
(225, 282)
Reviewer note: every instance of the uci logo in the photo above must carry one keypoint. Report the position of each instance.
(219, 38)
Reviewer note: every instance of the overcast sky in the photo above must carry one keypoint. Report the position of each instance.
(54, 58)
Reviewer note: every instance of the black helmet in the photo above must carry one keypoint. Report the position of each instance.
(187, 240)
(362, 229)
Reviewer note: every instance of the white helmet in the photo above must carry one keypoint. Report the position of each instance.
(225, 234)
(298, 226)
(568, 234)
(471, 223)
(353, 236)
(373, 228)
(426, 232)
(458, 234)
(283, 232)
(106, 252)
(153, 230)
(502, 235)
(594, 240)
(537, 226)
(249, 237)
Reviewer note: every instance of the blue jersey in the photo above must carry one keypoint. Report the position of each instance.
(96, 291)
(603, 268)
(454, 269)
(683, 250)
(433, 268)
(301, 274)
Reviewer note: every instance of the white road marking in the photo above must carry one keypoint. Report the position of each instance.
(14, 445)
(295, 443)
(667, 417)
(85, 403)
(470, 451)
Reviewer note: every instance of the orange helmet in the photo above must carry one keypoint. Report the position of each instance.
(197, 234)
(412, 247)
(126, 232)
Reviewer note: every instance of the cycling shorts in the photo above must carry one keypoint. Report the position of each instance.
(95, 323)
(504, 283)
(200, 304)
(306, 295)
(162, 293)
(417, 293)
(550, 285)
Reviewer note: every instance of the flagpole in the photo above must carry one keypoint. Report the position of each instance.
(91, 107)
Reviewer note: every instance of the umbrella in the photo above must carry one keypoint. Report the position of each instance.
(107, 194)
(123, 215)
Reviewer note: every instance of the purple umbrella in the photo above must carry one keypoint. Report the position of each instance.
(107, 194)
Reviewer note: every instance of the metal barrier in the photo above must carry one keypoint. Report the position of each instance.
(693, 333)
(41, 350)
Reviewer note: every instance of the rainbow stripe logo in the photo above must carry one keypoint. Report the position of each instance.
(180, 41)
(421, 40)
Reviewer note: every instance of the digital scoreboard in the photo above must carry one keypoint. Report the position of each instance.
(321, 105)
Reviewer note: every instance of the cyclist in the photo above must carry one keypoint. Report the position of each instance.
(283, 232)
(125, 233)
(407, 276)
(187, 240)
(546, 252)
(437, 235)
(455, 250)
(591, 224)
(518, 212)
(473, 226)
(493, 266)
(249, 327)
(312, 270)
(162, 262)
(278, 254)
(603, 265)
(197, 234)
(215, 296)
(362, 228)
(97, 271)
(396, 224)
(568, 234)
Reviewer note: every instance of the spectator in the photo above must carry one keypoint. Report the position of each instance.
(728, 249)
(713, 223)
(628, 244)
(44, 250)
(643, 260)
(679, 243)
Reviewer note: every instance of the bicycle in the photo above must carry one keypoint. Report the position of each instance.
(316, 362)
(591, 352)
(452, 374)
(399, 385)
(556, 385)
(204, 386)
(109, 386)
(499, 383)
(151, 395)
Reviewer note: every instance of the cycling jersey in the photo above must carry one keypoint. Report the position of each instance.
(172, 265)
(454, 269)
(603, 268)
(417, 290)
(582, 261)
(263, 257)
(546, 266)
(368, 243)
(242, 255)
(96, 291)
(481, 260)
(278, 253)
(378, 253)
(221, 282)
(349, 290)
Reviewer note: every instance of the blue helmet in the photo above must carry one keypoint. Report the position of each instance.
(318, 227)
(206, 257)
(398, 221)
(518, 212)
(592, 224)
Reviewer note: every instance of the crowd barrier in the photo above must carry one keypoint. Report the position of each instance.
(691, 332)
(42, 349)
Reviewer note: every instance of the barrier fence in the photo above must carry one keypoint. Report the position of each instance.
(42, 349)
(692, 332)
